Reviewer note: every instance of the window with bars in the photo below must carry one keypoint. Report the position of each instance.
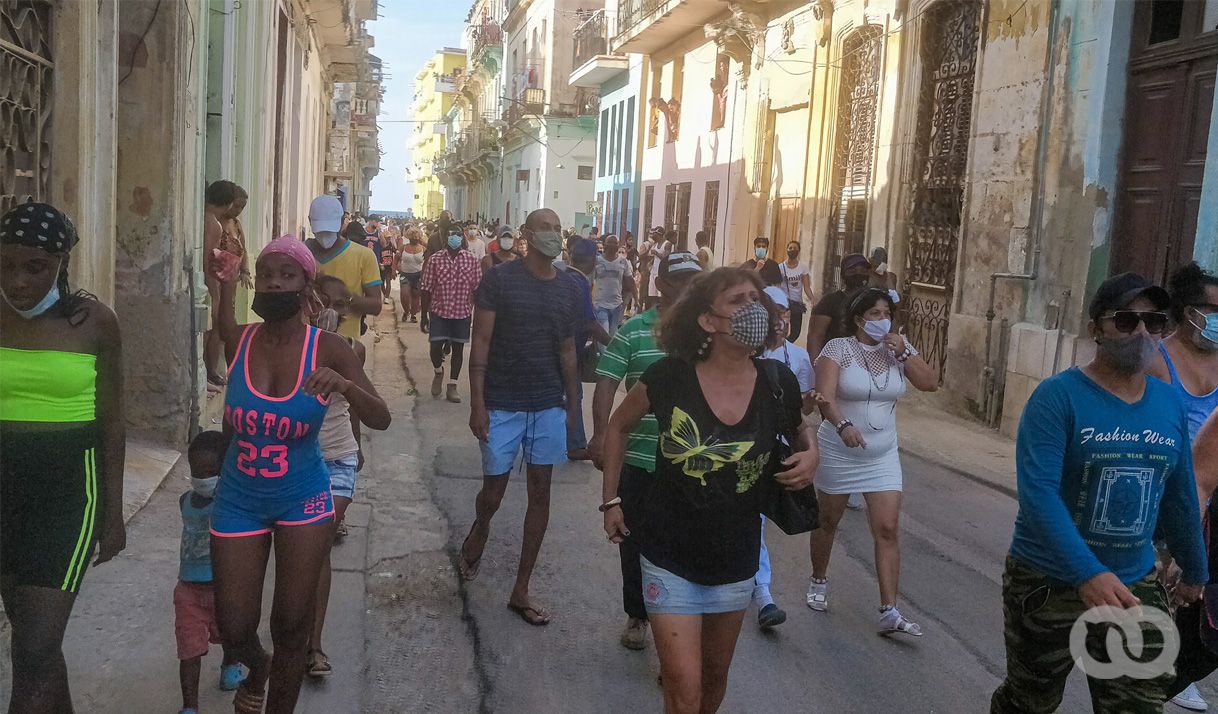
(710, 211)
(649, 200)
(682, 214)
(854, 150)
(670, 206)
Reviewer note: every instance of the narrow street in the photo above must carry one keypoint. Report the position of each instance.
(405, 635)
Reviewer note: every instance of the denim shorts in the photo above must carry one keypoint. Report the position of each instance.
(342, 476)
(542, 436)
(668, 594)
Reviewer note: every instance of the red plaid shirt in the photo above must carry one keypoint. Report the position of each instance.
(451, 280)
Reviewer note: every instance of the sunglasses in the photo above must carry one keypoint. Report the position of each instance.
(1127, 320)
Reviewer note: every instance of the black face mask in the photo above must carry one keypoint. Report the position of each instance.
(853, 282)
(276, 307)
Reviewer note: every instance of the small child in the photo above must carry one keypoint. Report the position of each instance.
(194, 599)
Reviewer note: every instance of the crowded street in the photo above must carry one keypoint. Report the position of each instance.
(411, 637)
(579, 356)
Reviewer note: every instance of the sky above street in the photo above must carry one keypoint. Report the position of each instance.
(408, 33)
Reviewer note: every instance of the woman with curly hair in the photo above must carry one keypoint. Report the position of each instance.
(720, 418)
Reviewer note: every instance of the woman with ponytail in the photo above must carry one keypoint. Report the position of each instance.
(62, 446)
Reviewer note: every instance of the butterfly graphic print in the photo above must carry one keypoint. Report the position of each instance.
(682, 444)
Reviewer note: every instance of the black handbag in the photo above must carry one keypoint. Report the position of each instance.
(794, 512)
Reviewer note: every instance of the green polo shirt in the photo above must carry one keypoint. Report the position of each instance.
(631, 351)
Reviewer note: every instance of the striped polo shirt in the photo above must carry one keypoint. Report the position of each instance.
(631, 351)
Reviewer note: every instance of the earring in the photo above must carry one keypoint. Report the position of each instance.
(705, 346)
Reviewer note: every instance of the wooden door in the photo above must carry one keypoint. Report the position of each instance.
(1169, 100)
(786, 226)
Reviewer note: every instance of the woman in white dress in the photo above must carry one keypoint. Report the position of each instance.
(862, 377)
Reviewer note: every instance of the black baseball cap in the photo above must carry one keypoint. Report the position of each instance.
(1120, 290)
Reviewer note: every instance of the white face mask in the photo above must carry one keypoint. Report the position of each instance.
(507, 242)
(877, 329)
(46, 303)
(326, 238)
(205, 487)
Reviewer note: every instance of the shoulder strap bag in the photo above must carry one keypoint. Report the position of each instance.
(794, 512)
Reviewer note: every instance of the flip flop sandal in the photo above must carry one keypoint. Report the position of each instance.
(467, 568)
(539, 618)
(247, 701)
(319, 664)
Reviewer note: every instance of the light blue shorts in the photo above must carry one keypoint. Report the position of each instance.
(541, 435)
(668, 594)
(342, 476)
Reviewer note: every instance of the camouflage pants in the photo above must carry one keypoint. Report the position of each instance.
(1038, 615)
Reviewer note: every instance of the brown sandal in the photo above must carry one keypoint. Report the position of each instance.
(248, 701)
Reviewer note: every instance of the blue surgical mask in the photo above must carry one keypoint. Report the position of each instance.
(759, 252)
(454, 242)
(1206, 336)
(46, 303)
(877, 329)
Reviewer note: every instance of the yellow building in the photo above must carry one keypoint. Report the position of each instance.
(435, 89)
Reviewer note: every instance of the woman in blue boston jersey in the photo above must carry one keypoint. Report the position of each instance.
(274, 486)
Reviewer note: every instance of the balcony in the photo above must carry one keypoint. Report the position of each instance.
(586, 102)
(530, 101)
(644, 26)
(486, 46)
(593, 62)
(447, 83)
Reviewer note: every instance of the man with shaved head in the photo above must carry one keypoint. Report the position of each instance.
(523, 391)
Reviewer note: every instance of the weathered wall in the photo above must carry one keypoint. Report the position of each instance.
(1206, 250)
(157, 214)
(997, 232)
(1080, 168)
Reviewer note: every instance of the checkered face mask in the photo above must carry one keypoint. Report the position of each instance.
(751, 325)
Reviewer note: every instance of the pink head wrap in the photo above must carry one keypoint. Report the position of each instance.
(294, 249)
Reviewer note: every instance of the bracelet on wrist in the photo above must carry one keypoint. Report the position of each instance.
(843, 425)
(612, 503)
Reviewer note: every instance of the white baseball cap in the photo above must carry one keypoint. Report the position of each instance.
(325, 214)
(779, 296)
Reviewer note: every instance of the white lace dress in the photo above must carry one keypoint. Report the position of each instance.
(869, 385)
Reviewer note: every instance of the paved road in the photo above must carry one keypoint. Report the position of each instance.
(406, 636)
(955, 535)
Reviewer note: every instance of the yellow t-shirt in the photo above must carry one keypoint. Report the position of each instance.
(357, 267)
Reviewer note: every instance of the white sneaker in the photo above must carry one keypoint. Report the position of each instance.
(855, 502)
(818, 594)
(1190, 699)
(891, 622)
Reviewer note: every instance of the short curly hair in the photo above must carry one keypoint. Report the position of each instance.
(679, 333)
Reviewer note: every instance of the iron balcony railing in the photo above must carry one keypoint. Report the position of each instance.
(591, 38)
(485, 36)
(631, 13)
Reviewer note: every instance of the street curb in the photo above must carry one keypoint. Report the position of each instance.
(935, 459)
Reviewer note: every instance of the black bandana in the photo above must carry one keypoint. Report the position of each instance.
(38, 225)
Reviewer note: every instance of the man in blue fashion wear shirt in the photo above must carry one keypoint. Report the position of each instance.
(1102, 455)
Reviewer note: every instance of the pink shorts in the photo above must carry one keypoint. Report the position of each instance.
(194, 618)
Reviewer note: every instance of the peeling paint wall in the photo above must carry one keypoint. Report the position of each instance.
(158, 205)
(1084, 132)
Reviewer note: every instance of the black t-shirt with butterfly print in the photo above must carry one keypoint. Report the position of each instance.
(701, 517)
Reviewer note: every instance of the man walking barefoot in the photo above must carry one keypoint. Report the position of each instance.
(523, 383)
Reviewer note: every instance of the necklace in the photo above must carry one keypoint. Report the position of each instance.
(876, 362)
